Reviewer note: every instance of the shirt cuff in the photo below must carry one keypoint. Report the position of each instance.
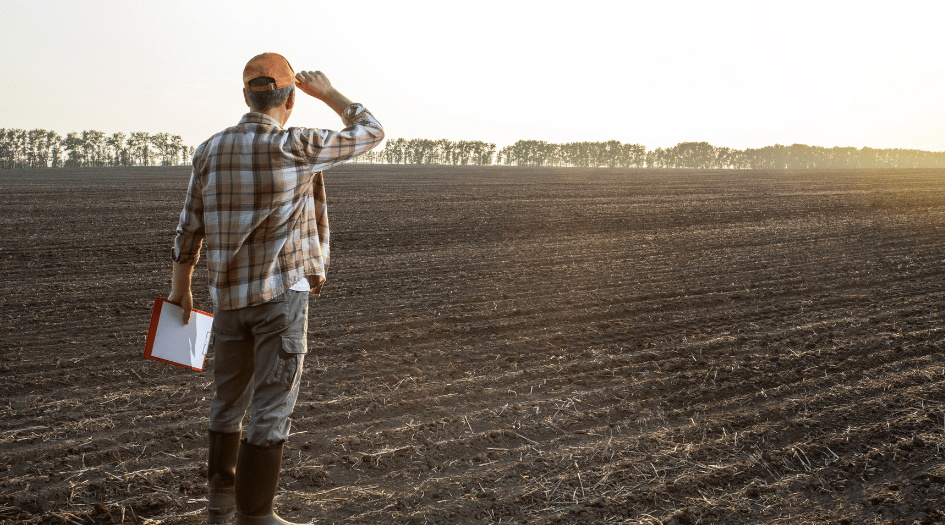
(351, 112)
(180, 259)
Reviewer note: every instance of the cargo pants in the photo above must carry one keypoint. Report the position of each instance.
(258, 355)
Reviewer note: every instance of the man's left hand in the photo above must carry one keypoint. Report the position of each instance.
(185, 301)
(180, 288)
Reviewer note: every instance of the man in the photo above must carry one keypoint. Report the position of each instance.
(256, 197)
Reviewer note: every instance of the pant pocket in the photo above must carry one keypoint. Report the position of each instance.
(288, 368)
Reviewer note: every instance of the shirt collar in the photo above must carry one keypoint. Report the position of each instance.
(259, 118)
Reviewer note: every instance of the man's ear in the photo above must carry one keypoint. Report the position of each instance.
(290, 103)
(246, 98)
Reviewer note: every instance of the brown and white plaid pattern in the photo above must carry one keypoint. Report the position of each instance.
(257, 198)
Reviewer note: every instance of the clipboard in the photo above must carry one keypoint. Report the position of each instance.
(175, 343)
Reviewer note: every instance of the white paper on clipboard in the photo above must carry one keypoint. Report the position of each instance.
(173, 342)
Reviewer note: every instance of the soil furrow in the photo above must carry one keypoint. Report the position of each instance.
(505, 346)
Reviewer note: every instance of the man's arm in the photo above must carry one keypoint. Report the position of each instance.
(180, 288)
(186, 249)
(325, 148)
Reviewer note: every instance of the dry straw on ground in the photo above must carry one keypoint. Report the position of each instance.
(506, 346)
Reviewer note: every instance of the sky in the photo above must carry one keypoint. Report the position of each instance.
(741, 74)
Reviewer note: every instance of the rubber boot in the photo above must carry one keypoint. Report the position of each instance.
(221, 476)
(257, 476)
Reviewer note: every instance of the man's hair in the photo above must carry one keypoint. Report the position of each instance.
(266, 100)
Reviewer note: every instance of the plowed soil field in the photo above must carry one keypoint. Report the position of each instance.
(502, 345)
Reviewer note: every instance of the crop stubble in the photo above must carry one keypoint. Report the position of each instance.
(503, 345)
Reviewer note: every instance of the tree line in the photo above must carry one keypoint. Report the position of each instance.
(39, 148)
(613, 154)
(425, 151)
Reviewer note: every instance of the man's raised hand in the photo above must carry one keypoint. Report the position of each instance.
(316, 84)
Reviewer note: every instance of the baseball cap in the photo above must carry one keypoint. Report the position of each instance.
(271, 65)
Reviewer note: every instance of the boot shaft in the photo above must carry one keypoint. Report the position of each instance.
(222, 454)
(257, 477)
(223, 451)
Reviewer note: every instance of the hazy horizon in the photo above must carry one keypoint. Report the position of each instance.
(734, 74)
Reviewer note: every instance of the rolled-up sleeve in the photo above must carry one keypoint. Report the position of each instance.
(190, 229)
(325, 148)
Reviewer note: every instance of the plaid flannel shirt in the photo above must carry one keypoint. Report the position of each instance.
(257, 198)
